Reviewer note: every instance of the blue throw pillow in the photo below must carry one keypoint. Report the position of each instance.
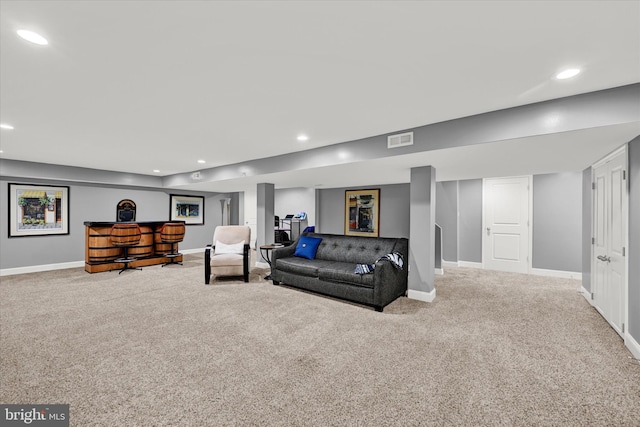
(307, 247)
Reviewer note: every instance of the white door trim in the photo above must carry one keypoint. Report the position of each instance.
(530, 214)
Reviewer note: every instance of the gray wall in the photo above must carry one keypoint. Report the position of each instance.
(447, 218)
(557, 221)
(394, 210)
(557, 218)
(470, 220)
(94, 203)
(634, 239)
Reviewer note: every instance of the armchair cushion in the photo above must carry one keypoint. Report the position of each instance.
(223, 248)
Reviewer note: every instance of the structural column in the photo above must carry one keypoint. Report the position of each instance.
(422, 217)
(265, 215)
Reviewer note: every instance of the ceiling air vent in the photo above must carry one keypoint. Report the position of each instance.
(400, 140)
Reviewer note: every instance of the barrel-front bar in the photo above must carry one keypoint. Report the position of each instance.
(100, 253)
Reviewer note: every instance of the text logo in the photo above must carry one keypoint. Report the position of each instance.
(34, 415)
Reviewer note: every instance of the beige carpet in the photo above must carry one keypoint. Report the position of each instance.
(159, 348)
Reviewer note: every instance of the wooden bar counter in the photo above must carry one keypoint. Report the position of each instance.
(100, 254)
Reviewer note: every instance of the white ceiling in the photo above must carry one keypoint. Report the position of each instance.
(135, 86)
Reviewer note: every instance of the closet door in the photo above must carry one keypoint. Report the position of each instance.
(609, 232)
(506, 224)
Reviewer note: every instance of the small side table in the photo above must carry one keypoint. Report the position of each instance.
(265, 253)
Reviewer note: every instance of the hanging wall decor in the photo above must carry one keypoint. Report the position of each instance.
(362, 213)
(38, 210)
(189, 209)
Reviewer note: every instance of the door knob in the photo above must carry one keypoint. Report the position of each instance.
(488, 231)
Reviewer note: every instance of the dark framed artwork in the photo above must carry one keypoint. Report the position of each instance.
(189, 209)
(362, 213)
(38, 210)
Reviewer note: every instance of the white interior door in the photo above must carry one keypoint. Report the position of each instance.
(506, 224)
(609, 233)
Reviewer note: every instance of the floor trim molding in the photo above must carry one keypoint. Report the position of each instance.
(40, 268)
(470, 264)
(421, 295)
(556, 273)
(65, 265)
(633, 346)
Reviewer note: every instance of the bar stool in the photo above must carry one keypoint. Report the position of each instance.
(125, 236)
(172, 233)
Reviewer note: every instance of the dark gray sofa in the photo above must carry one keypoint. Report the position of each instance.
(332, 271)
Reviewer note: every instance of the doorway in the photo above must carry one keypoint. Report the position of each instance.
(506, 237)
(608, 259)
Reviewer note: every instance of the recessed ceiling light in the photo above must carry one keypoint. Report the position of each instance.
(201, 161)
(303, 138)
(568, 73)
(32, 37)
(156, 170)
(6, 126)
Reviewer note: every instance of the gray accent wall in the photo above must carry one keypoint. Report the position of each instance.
(95, 203)
(634, 239)
(470, 220)
(394, 210)
(557, 221)
(447, 218)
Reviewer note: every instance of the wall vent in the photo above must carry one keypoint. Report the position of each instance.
(195, 175)
(400, 140)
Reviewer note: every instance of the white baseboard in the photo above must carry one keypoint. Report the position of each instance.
(439, 271)
(192, 251)
(261, 264)
(469, 264)
(449, 264)
(586, 294)
(65, 265)
(40, 268)
(421, 295)
(632, 345)
(556, 273)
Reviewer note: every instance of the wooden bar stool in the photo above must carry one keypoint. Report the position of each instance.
(125, 236)
(172, 233)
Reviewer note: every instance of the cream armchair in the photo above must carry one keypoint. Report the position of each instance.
(229, 254)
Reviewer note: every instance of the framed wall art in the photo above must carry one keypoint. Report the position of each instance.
(362, 212)
(189, 209)
(38, 210)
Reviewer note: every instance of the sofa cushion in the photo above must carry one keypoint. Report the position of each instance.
(307, 247)
(353, 249)
(301, 266)
(344, 272)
